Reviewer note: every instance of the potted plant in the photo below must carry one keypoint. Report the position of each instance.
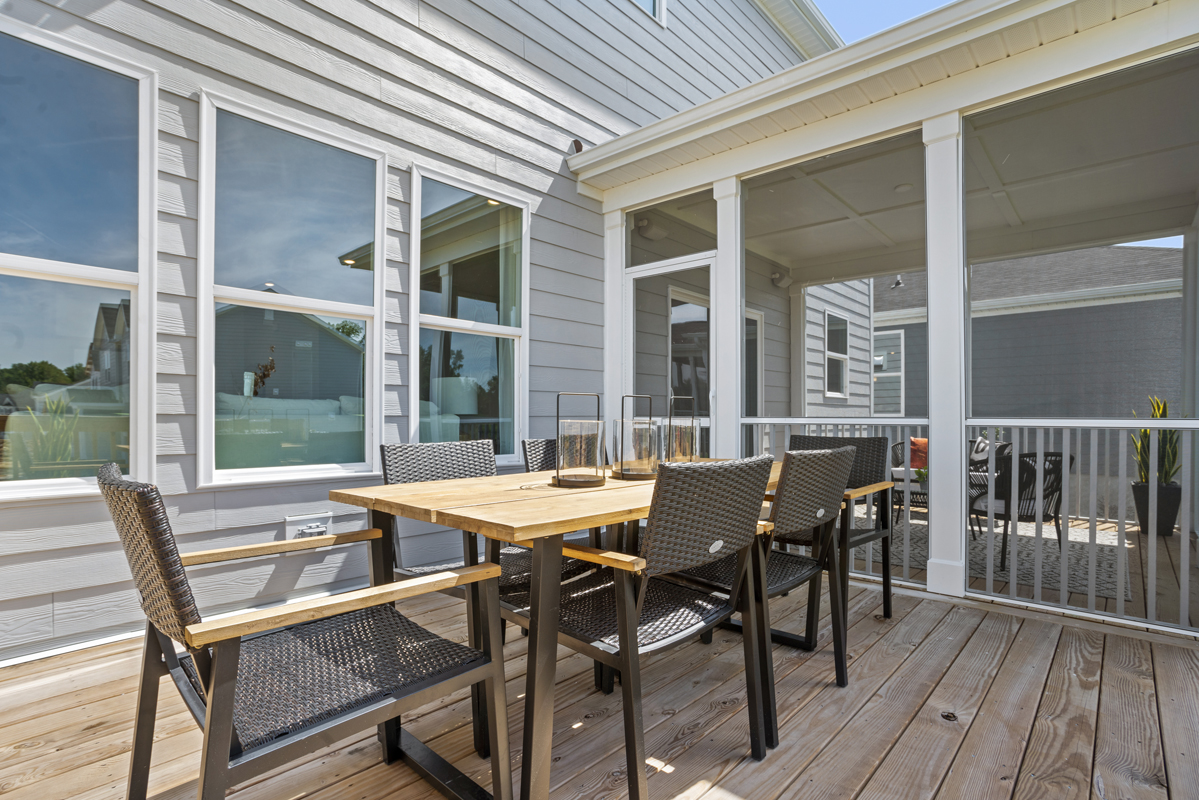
(1169, 493)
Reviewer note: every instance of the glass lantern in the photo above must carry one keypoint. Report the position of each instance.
(680, 437)
(635, 442)
(580, 458)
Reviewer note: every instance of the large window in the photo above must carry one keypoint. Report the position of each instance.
(471, 289)
(71, 181)
(836, 355)
(295, 227)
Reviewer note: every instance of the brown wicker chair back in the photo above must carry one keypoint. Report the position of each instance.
(539, 454)
(141, 521)
(437, 461)
(810, 488)
(702, 512)
(869, 463)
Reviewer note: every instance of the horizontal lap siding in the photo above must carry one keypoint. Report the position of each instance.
(491, 91)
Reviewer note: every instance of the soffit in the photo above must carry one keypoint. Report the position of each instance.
(957, 39)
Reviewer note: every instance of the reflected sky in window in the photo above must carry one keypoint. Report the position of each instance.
(293, 216)
(68, 159)
(49, 321)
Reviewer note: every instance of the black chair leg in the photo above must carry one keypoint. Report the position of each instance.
(840, 633)
(630, 685)
(886, 543)
(813, 621)
(1003, 550)
(753, 649)
(147, 706)
(218, 721)
(706, 636)
(761, 611)
(474, 627)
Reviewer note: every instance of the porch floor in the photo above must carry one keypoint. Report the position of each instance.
(944, 701)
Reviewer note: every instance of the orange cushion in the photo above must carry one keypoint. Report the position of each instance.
(919, 453)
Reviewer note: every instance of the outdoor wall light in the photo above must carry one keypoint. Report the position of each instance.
(904, 187)
(648, 230)
(898, 282)
(781, 280)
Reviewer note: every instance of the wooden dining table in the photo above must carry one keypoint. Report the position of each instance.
(524, 509)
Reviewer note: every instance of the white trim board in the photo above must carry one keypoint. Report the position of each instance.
(1027, 304)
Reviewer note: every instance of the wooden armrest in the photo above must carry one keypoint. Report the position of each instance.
(238, 625)
(865, 490)
(274, 548)
(765, 527)
(605, 558)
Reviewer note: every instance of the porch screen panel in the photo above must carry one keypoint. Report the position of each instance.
(673, 228)
(1079, 204)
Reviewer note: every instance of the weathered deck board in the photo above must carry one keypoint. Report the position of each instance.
(1022, 697)
(1128, 751)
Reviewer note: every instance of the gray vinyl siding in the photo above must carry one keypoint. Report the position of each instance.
(850, 300)
(915, 367)
(493, 91)
(775, 305)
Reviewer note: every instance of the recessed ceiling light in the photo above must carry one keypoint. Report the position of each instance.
(493, 202)
(349, 262)
(904, 187)
(269, 284)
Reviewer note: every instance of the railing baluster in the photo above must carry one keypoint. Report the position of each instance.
(1064, 572)
(1121, 517)
(1012, 524)
(1151, 534)
(1039, 512)
(1184, 533)
(1092, 555)
(991, 490)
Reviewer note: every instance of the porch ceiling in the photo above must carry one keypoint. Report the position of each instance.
(951, 41)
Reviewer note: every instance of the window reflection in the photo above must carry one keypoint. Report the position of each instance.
(470, 256)
(293, 216)
(466, 388)
(673, 228)
(289, 389)
(68, 159)
(64, 379)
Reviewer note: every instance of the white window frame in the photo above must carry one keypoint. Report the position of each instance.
(759, 317)
(141, 284)
(842, 357)
(518, 334)
(659, 15)
(209, 294)
(900, 372)
(693, 297)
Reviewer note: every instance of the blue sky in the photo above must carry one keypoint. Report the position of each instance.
(857, 19)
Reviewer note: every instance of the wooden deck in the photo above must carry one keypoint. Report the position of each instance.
(944, 700)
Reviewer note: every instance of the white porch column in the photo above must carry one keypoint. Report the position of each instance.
(947, 373)
(615, 350)
(725, 379)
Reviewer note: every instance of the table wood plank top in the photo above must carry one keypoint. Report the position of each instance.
(513, 508)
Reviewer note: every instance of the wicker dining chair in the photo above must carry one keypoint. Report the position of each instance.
(267, 687)
(869, 469)
(700, 513)
(807, 498)
(539, 454)
(1026, 495)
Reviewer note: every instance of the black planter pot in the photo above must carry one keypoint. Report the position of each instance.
(1169, 500)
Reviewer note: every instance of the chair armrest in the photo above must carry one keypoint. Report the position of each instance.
(764, 527)
(238, 625)
(865, 490)
(605, 558)
(274, 548)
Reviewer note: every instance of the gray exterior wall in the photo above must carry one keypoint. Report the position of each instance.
(915, 367)
(493, 91)
(850, 300)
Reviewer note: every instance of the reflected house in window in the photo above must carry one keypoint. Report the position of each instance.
(289, 389)
(108, 357)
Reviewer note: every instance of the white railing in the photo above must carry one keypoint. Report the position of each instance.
(1125, 550)
(909, 545)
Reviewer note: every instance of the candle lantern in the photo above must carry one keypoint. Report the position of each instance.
(635, 442)
(580, 461)
(681, 438)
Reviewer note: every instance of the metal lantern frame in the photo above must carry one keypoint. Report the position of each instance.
(618, 468)
(579, 481)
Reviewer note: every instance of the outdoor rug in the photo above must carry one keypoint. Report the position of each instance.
(1078, 556)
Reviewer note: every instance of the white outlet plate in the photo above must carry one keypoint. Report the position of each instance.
(294, 525)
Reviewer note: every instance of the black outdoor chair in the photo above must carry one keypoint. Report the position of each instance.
(539, 454)
(1026, 495)
(869, 469)
(916, 498)
(808, 497)
(435, 461)
(700, 513)
(270, 686)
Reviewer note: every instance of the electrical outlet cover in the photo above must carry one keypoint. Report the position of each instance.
(307, 525)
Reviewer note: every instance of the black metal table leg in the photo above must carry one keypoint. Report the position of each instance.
(545, 597)
(761, 602)
(844, 555)
(474, 628)
(382, 571)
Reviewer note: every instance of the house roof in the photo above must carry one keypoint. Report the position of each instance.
(804, 24)
(960, 38)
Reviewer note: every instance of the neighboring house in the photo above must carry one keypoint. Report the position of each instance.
(232, 147)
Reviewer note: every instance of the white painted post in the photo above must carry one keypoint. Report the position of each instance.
(1190, 349)
(725, 379)
(615, 347)
(947, 373)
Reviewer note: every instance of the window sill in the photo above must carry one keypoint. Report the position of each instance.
(241, 479)
(45, 492)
